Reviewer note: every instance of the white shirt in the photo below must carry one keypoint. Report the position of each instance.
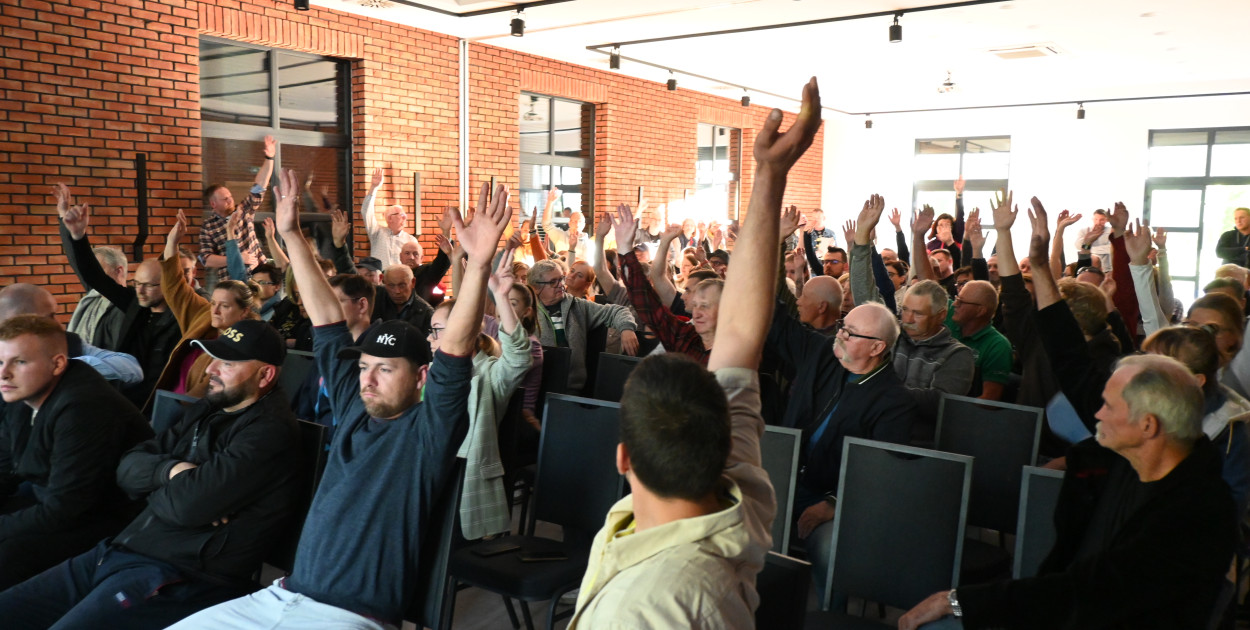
(384, 244)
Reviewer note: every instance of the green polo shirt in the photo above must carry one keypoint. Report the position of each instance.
(990, 349)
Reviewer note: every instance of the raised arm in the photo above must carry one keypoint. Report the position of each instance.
(607, 283)
(279, 256)
(366, 208)
(863, 272)
(1167, 297)
(1004, 218)
(744, 327)
(340, 229)
(479, 240)
(74, 222)
(236, 266)
(500, 284)
(661, 277)
(1137, 244)
(920, 265)
(1045, 287)
(319, 299)
(265, 172)
(1062, 222)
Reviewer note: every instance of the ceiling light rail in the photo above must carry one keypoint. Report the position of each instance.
(504, 9)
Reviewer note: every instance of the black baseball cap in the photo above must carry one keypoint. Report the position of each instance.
(391, 340)
(247, 340)
(721, 254)
(370, 263)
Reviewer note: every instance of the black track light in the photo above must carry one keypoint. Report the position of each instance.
(301, 5)
(868, 122)
(614, 61)
(746, 99)
(896, 30)
(672, 81)
(518, 25)
(1080, 111)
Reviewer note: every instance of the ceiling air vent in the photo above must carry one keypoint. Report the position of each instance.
(1029, 51)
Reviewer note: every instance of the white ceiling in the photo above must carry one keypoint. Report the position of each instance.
(1111, 48)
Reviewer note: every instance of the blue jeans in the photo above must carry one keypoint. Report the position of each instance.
(108, 588)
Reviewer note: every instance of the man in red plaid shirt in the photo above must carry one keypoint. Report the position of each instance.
(221, 202)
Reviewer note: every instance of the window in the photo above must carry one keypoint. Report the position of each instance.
(983, 163)
(557, 140)
(247, 92)
(1197, 177)
(716, 192)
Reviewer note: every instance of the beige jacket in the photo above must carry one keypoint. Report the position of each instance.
(696, 572)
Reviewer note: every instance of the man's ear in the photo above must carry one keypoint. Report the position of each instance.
(622, 459)
(422, 373)
(60, 361)
(1150, 426)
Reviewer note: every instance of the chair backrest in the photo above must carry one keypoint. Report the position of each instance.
(596, 343)
(1003, 438)
(433, 598)
(782, 586)
(780, 453)
(577, 481)
(614, 369)
(312, 438)
(898, 529)
(168, 408)
(511, 428)
(294, 370)
(556, 365)
(1035, 534)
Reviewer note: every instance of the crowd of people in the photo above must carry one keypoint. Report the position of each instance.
(106, 524)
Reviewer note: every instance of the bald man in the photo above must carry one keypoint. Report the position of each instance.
(397, 299)
(969, 321)
(149, 332)
(820, 304)
(62, 431)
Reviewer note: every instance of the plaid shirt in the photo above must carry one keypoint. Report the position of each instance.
(213, 233)
(676, 334)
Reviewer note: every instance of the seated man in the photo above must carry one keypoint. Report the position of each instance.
(565, 320)
(970, 321)
(401, 417)
(397, 299)
(220, 486)
(371, 269)
(928, 359)
(62, 432)
(820, 305)
(683, 550)
(1145, 525)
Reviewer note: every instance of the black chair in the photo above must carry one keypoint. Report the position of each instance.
(556, 365)
(313, 460)
(611, 375)
(1035, 529)
(295, 369)
(898, 531)
(596, 343)
(1003, 438)
(577, 483)
(782, 586)
(168, 409)
(432, 603)
(779, 451)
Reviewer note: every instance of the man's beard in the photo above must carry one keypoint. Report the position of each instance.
(225, 397)
(377, 408)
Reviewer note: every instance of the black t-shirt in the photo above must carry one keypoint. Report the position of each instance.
(1124, 495)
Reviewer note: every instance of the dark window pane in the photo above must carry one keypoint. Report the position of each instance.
(234, 84)
(535, 124)
(309, 93)
(571, 128)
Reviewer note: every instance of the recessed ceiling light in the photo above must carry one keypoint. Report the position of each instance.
(1148, 14)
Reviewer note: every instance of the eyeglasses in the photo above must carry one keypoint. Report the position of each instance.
(960, 300)
(1090, 270)
(147, 285)
(841, 325)
(265, 283)
(555, 282)
(833, 260)
(435, 332)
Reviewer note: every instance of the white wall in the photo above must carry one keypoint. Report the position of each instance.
(1067, 163)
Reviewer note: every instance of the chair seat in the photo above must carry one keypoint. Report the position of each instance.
(826, 620)
(508, 575)
(983, 562)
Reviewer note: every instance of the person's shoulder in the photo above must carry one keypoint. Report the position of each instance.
(686, 586)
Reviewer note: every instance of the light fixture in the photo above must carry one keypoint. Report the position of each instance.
(746, 99)
(896, 30)
(868, 121)
(672, 81)
(532, 115)
(1080, 111)
(947, 86)
(301, 5)
(518, 24)
(614, 61)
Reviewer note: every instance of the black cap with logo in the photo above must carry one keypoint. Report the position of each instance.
(246, 340)
(391, 340)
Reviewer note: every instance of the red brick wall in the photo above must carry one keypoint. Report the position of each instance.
(86, 84)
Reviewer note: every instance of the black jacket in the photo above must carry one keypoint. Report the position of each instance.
(418, 311)
(877, 407)
(248, 470)
(147, 336)
(1163, 569)
(67, 453)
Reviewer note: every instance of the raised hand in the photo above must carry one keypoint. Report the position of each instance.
(176, 232)
(249, 259)
(791, 220)
(285, 210)
(672, 231)
(959, 186)
(552, 195)
(1065, 220)
(869, 216)
(1161, 239)
(897, 219)
(271, 147)
(339, 227)
(1039, 246)
(75, 217)
(480, 237)
(624, 226)
(1137, 242)
(501, 281)
(1118, 218)
(1004, 212)
(973, 232)
(923, 221)
(778, 152)
(848, 230)
(379, 177)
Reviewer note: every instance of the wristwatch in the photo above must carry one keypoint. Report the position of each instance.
(953, 600)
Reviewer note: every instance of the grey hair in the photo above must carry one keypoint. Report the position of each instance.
(112, 257)
(540, 269)
(939, 299)
(403, 269)
(1166, 389)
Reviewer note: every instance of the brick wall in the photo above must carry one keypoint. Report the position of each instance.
(89, 83)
